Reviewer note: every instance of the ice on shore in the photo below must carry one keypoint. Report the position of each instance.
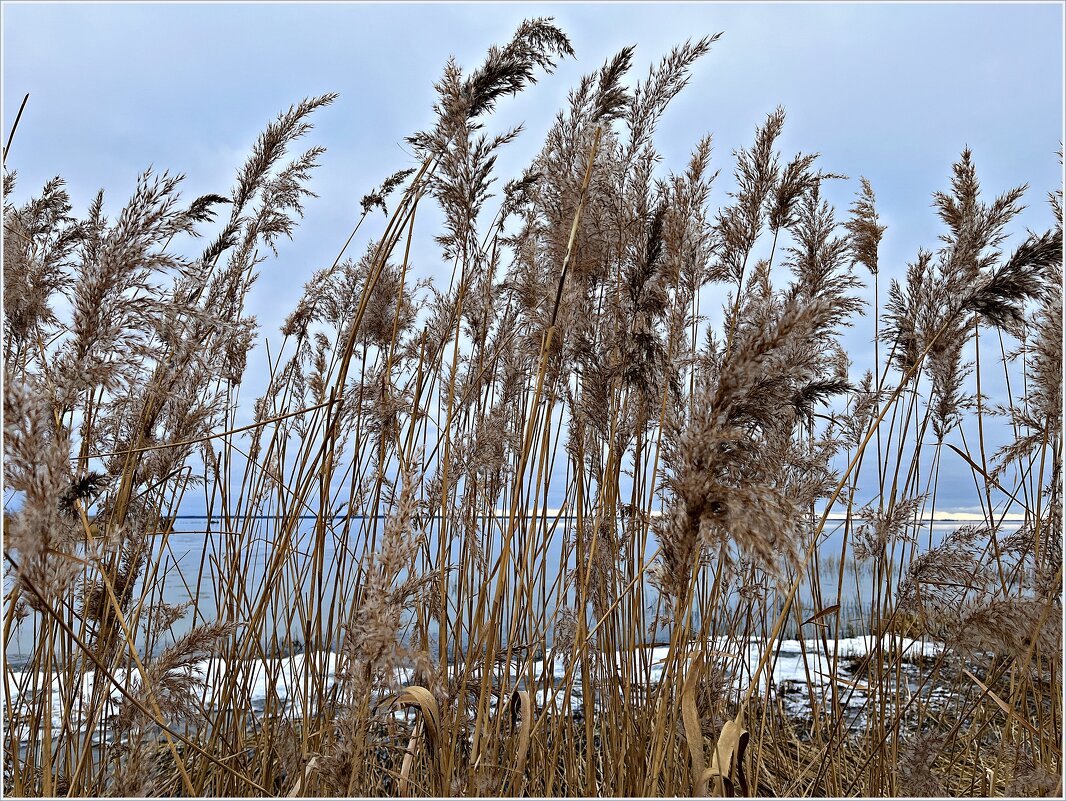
(289, 685)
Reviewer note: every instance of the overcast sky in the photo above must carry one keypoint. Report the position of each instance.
(892, 92)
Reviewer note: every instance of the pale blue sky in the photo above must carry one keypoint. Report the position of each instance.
(889, 91)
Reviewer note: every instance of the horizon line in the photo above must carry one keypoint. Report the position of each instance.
(938, 515)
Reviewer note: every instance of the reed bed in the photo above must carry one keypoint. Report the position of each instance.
(392, 599)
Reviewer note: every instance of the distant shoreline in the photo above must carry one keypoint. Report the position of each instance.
(936, 517)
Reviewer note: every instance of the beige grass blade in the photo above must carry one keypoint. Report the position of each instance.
(823, 613)
(725, 777)
(1007, 708)
(428, 725)
(301, 783)
(409, 758)
(693, 733)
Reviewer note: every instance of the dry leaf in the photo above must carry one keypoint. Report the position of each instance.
(429, 723)
(725, 777)
(693, 733)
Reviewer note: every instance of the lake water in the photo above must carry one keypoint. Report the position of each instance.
(200, 551)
